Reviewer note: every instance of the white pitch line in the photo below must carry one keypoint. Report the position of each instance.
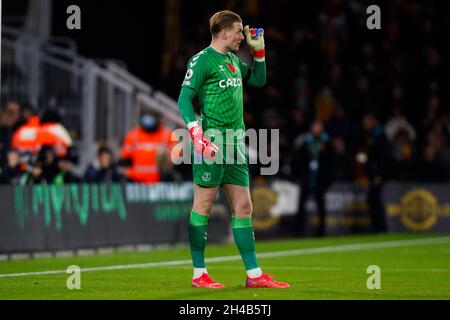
(297, 252)
(385, 269)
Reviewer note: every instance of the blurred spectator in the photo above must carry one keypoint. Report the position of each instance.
(431, 166)
(435, 69)
(298, 124)
(66, 174)
(11, 172)
(325, 104)
(104, 169)
(332, 16)
(302, 99)
(53, 133)
(397, 98)
(432, 113)
(445, 122)
(337, 83)
(43, 167)
(302, 88)
(436, 138)
(13, 112)
(361, 101)
(28, 111)
(49, 169)
(148, 147)
(396, 123)
(25, 139)
(33, 175)
(9, 121)
(343, 166)
(312, 167)
(49, 164)
(401, 165)
(340, 125)
(272, 119)
(372, 155)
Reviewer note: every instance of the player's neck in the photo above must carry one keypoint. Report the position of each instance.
(219, 47)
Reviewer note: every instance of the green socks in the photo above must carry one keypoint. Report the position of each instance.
(198, 231)
(243, 236)
(245, 241)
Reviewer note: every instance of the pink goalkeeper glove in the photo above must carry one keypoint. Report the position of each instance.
(202, 146)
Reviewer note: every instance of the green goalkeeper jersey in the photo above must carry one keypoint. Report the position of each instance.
(217, 79)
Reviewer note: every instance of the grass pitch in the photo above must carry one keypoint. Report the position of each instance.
(413, 266)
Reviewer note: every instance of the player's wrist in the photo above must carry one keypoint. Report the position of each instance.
(192, 124)
(259, 54)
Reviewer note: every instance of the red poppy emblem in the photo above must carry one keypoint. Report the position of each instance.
(231, 67)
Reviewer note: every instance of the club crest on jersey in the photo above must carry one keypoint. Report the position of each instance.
(206, 176)
(230, 66)
(189, 74)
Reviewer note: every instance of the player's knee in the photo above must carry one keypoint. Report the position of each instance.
(203, 208)
(243, 210)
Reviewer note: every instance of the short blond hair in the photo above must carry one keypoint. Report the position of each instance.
(223, 20)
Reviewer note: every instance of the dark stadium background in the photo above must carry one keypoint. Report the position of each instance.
(128, 31)
(320, 57)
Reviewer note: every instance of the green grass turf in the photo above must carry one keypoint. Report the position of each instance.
(407, 272)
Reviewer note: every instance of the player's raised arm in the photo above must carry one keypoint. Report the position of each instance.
(255, 40)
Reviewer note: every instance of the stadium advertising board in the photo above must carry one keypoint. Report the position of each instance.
(65, 217)
(276, 205)
(408, 207)
(417, 207)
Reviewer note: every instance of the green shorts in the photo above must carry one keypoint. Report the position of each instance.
(216, 173)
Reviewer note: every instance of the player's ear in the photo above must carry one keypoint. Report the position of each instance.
(223, 34)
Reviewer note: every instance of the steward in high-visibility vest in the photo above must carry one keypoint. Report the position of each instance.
(53, 134)
(25, 139)
(146, 145)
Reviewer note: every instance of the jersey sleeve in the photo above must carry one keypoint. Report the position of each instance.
(197, 73)
(244, 69)
(257, 75)
(185, 105)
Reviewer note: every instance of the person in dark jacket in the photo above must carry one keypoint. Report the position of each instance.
(311, 166)
(373, 151)
(11, 171)
(104, 170)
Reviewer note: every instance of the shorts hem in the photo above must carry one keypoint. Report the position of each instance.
(207, 185)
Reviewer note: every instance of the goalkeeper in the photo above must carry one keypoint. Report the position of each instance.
(216, 76)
